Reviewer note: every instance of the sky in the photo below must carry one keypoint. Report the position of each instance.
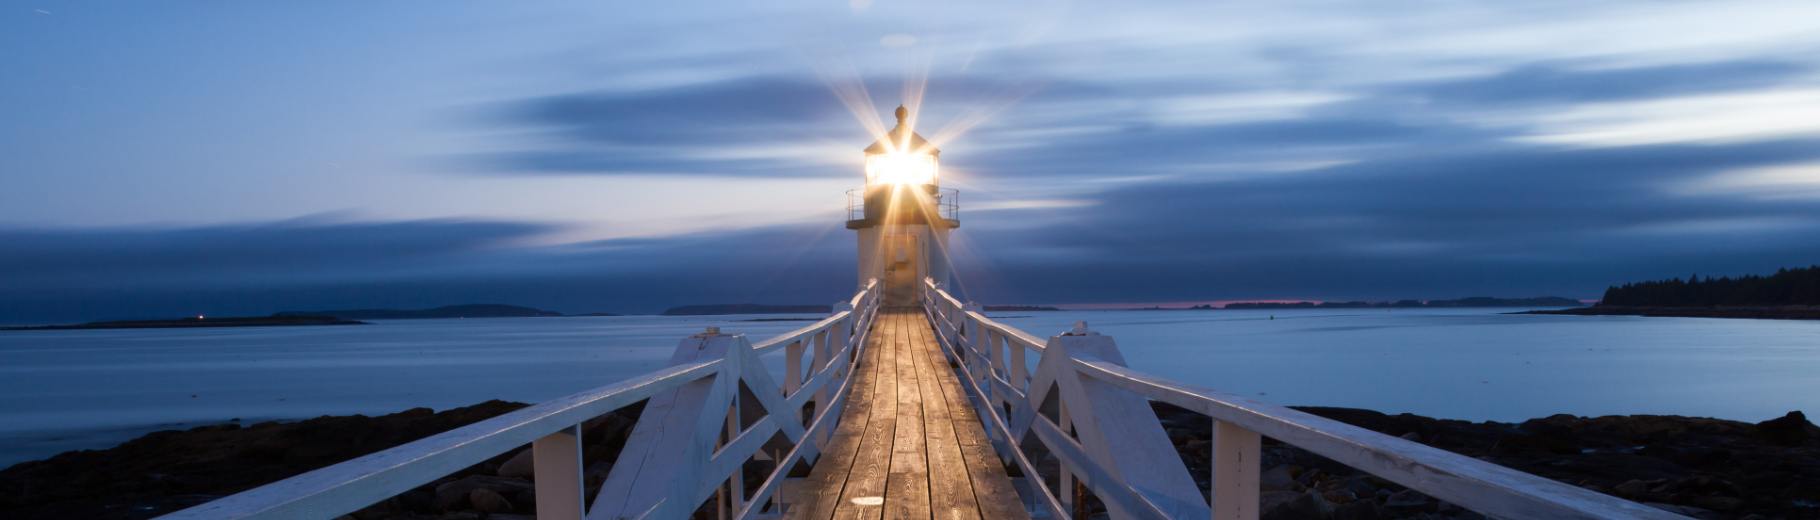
(162, 159)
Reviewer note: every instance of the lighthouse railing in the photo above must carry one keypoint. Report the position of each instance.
(713, 409)
(1087, 407)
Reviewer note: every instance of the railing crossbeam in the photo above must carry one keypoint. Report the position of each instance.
(1108, 437)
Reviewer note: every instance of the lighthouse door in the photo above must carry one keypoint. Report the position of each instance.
(901, 259)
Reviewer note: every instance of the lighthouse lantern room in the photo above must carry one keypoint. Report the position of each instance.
(903, 215)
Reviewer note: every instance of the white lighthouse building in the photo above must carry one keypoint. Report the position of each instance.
(903, 215)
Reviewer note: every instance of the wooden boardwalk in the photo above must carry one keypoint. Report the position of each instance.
(909, 445)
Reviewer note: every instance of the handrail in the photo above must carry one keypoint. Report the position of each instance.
(688, 418)
(1110, 441)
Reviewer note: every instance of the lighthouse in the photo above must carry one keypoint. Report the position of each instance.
(903, 215)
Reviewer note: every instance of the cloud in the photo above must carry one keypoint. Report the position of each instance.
(59, 276)
(1562, 83)
(1509, 222)
(1713, 118)
(1800, 180)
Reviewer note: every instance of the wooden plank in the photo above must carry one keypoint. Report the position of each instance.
(863, 496)
(907, 498)
(829, 477)
(992, 490)
(950, 487)
(907, 491)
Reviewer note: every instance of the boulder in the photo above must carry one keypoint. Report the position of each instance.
(1364, 510)
(1788, 430)
(1279, 479)
(521, 465)
(458, 495)
(1269, 502)
(1311, 505)
(1518, 443)
(487, 501)
(1720, 503)
(1632, 488)
(1409, 502)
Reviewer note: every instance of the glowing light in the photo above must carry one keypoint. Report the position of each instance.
(900, 168)
(869, 501)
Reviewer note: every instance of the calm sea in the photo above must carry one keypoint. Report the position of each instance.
(63, 390)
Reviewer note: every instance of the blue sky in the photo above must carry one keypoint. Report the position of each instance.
(182, 158)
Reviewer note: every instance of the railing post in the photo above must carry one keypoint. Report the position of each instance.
(793, 367)
(1018, 373)
(1235, 472)
(556, 462)
(972, 333)
(1068, 484)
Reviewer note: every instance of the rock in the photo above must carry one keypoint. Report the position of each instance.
(1680, 510)
(1361, 487)
(1632, 488)
(1788, 430)
(1409, 502)
(1362, 510)
(1177, 435)
(1412, 436)
(451, 501)
(1270, 502)
(1719, 503)
(414, 500)
(457, 495)
(487, 501)
(596, 474)
(520, 465)
(1279, 479)
(1311, 505)
(1518, 443)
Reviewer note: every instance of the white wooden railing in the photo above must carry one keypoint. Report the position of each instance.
(1091, 411)
(714, 408)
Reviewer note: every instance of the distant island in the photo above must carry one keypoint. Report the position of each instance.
(481, 310)
(201, 322)
(746, 308)
(1790, 294)
(1017, 308)
(1477, 301)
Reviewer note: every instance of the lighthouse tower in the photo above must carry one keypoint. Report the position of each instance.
(903, 215)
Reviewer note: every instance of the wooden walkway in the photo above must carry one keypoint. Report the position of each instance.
(909, 445)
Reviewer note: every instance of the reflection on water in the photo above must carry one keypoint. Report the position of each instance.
(63, 390)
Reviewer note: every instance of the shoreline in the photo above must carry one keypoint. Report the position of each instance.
(201, 323)
(1699, 467)
(1787, 312)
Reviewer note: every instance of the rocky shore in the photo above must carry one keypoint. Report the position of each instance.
(1702, 468)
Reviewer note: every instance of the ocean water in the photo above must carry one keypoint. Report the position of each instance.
(63, 390)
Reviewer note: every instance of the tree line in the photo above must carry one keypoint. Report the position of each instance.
(1798, 286)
